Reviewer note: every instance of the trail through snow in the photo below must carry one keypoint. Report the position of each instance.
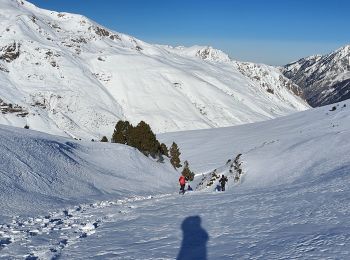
(280, 223)
(292, 203)
(46, 236)
(277, 223)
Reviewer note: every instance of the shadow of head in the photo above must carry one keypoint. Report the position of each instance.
(194, 241)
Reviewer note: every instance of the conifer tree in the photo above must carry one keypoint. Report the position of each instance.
(104, 139)
(144, 139)
(189, 175)
(141, 137)
(175, 156)
(121, 132)
(164, 150)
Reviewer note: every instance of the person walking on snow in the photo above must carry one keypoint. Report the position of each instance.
(223, 181)
(182, 182)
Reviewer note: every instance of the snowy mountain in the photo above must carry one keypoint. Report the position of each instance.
(64, 74)
(324, 79)
(73, 199)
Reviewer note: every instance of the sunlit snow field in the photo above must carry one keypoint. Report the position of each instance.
(292, 200)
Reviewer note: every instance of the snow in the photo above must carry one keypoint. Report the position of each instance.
(286, 138)
(70, 199)
(78, 79)
(292, 200)
(40, 172)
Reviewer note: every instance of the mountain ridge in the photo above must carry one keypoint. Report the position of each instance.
(70, 76)
(325, 79)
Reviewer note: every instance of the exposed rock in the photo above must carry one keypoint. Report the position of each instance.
(212, 54)
(101, 32)
(261, 74)
(7, 108)
(10, 52)
(324, 79)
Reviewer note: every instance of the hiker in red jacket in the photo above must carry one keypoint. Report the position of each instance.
(182, 182)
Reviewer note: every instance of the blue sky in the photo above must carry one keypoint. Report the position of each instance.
(270, 31)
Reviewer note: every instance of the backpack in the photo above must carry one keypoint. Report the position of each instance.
(223, 180)
(182, 180)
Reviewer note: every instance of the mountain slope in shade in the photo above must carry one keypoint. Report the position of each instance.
(324, 79)
(64, 74)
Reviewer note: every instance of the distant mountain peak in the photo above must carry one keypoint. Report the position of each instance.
(207, 53)
(212, 54)
(345, 48)
(325, 79)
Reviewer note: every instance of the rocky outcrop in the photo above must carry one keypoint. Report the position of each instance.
(324, 79)
(10, 52)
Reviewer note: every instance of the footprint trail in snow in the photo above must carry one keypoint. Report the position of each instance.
(45, 237)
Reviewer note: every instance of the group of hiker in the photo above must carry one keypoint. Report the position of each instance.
(183, 179)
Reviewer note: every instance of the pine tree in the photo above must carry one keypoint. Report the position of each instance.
(104, 139)
(175, 156)
(121, 132)
(189, 175)
(141, 137)
(164, 149)
(145, 140)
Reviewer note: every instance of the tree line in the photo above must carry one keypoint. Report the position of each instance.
(142, 138)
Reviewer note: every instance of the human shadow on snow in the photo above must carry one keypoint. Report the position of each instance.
(194, 241)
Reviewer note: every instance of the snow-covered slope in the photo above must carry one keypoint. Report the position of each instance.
(297, 148)
(324, 79)
(40, 172)
(292, 200)
(64, 74)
